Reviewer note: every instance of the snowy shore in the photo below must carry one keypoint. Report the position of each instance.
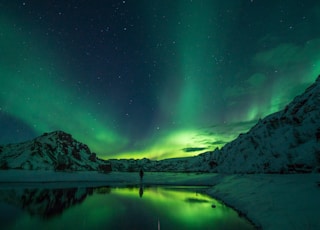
(271, 201)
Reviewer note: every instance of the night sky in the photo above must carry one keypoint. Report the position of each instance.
(152, 78)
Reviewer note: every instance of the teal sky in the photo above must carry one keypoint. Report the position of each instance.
(154, 79)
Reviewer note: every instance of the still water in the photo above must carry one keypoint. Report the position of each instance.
(114, 208)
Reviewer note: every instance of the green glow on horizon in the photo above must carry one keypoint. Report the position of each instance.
(172, 144)
(168, 146)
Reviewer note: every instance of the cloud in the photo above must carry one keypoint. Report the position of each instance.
(283, 54)
(287, 54)
(251, 85)
(232, 127)
(220, 142)
(219, 134)
(193, 149)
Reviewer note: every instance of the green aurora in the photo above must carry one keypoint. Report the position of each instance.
(156, 79)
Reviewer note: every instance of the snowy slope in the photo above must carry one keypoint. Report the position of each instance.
(51, 151)
(287, 141)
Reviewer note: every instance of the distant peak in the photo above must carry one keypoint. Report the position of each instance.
(58, 134)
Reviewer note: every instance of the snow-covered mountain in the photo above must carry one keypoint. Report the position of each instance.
(51, 151)
(287, 141)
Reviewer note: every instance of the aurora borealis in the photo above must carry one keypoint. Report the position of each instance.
(153, 79)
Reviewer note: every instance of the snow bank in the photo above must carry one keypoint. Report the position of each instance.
(273, 201)
(113, 178)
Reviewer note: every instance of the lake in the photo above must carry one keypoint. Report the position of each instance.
(35, 207)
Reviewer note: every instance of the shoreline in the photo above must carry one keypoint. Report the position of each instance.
(273, 201)
(268, 201)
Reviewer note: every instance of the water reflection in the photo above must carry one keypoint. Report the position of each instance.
(141, 190)
(114, 208)
(44, 203)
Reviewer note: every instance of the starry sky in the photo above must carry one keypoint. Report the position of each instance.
(155, 79)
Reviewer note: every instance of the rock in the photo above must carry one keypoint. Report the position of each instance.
(106, 168)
